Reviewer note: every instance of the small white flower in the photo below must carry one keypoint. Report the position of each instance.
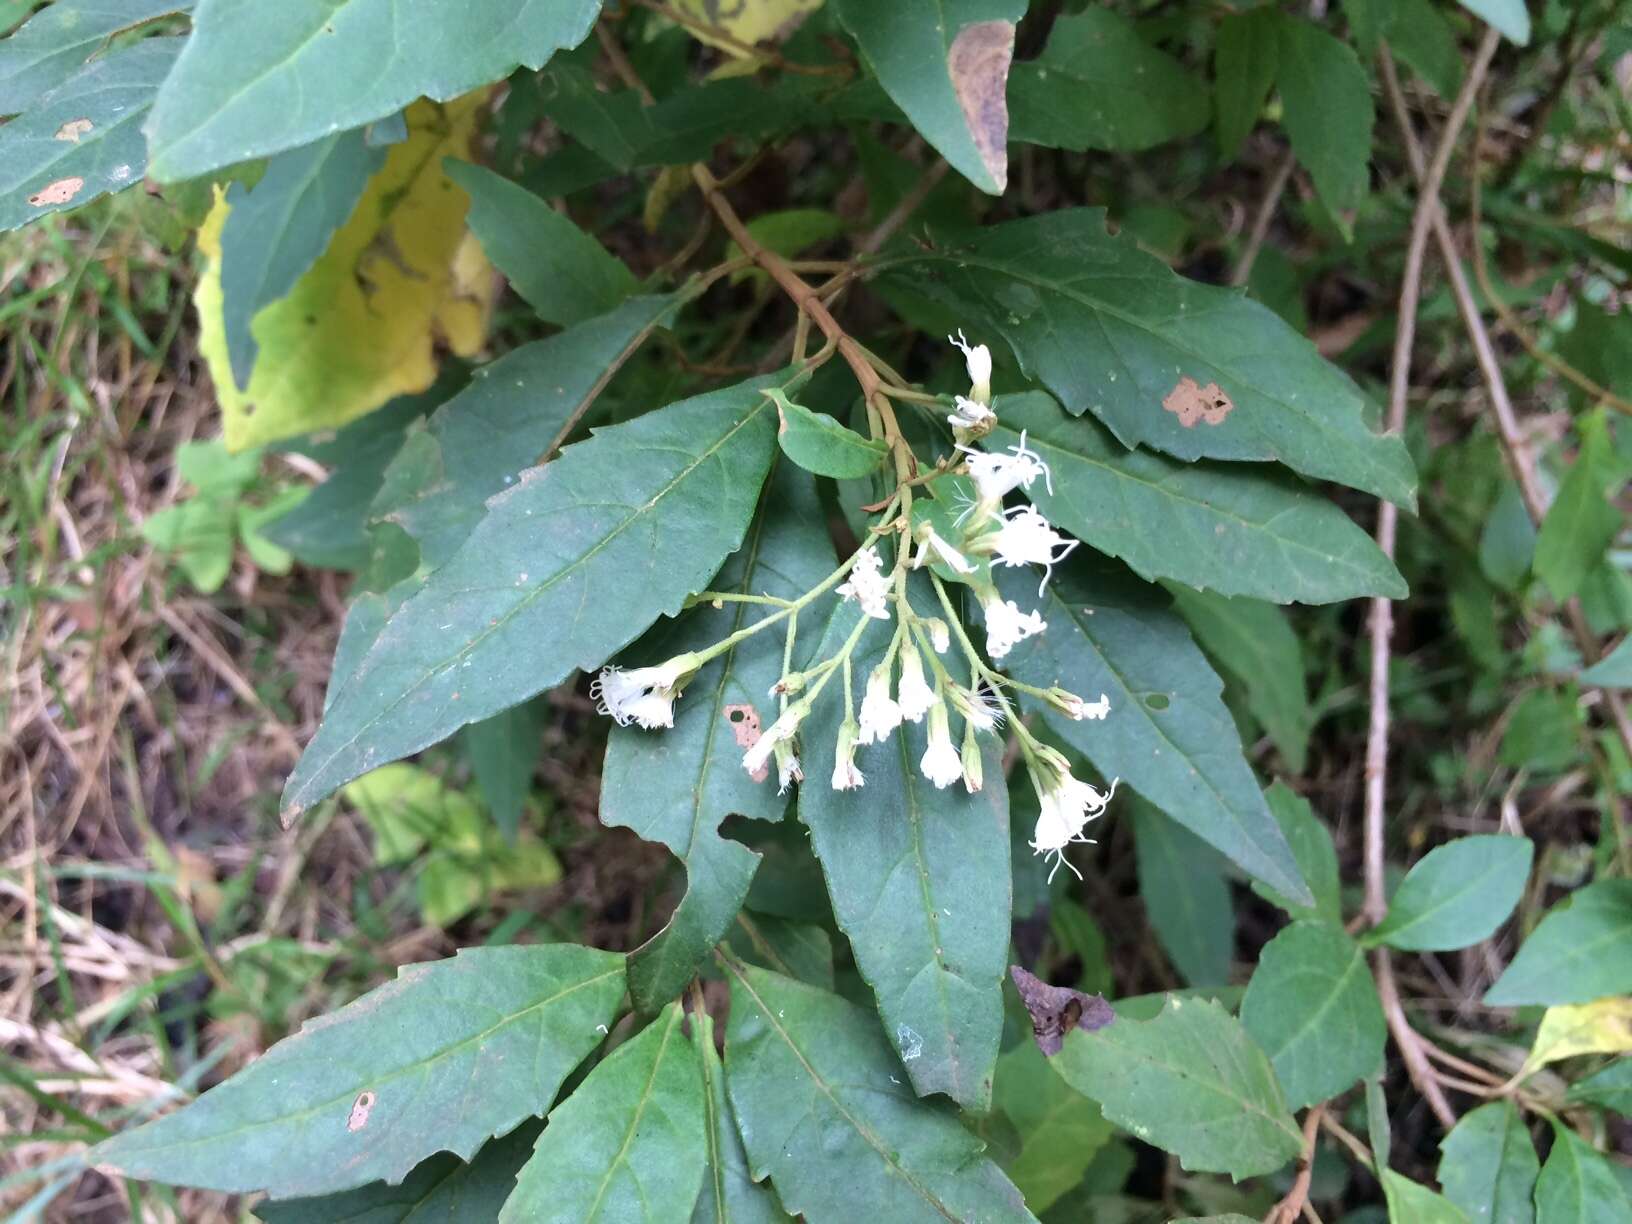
(868, 585)
(1066, 807)
(978, 706)
(971, 414)
(973, 769)
(773, 739)
(1075, 707)
(977, 359)
(941, 763)
(1007, 626)
(948, 556)
(998, 474)
(913, 697)
(1025, 538)
(879, 713)
(940, 637)
(787, 768)
(642, 695)
(845, 774)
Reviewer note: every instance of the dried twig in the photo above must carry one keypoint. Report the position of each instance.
(1261, 219)
(1297, 1198)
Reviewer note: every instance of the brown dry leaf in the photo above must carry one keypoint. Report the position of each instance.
(978, 63)
(1191, 402)
(1056, 1010)
(59, 192)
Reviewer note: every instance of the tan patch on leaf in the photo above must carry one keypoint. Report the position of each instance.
(744, 720)
(360, 1109)
(1191, 402)
(74, 129)
(979, 66)
(59, 192)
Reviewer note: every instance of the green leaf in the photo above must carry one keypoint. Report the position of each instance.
(562, 273)
(1488, 1166)
(1507, 541)
(1578, 1184)
(1581, 951)
(255, 79)
(1256, 645)
(1313, 1008)
(1060, 1129)
(801, 950)
(570, 564)
(1614, 670)
(627, 1145)
(1111, 329)
(1418, 33)
(1191, 1082)
(277, 231)
(1327, 112)
(1238, 530)
(1610, 1088)
(199, 533)
(1245, 63)
(818, 443)
(675, 786)
(62, 38)
(441, 1188)
(1181, 882)
(1099, 85)
(1583, 520)
(84, 138)
(946, 64)
(1312, 848)
(503, 753)
(1458, 894)
(1410, 1203)
(477, 1043)
(920, 883)
(826, 1113)
(1509, 16)
(1168, 735)
(730, 1195)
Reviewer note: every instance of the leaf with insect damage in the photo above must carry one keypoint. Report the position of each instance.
(1058, 1010)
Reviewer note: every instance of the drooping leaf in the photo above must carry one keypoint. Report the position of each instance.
(84, 137)
(1410, 1202)
(1614, 670)
(627, 1147)
(1316, 857)
(503, 753)
(257, 79)
(1055, 1011)
(1181, 881)
(1191, 1082)
(675, 786)
(1488, 1166)
(1168, 735)
(1327, 111)
(1111, 329)
(561, 272)
(1578, 1184)
(362, 324)
(476, 1044)
(59, 40)
(946, 64)
(275, 233)
(1601, 1027)
(826, 1112)
(730, 1194)
(1245, 62)
(1257, 647)
(1583, 520)
(574, 561)
(1236, 530)
(1581, 951)
(819, 444)
(1313, 1008)
(1509, 16)
(1060, 1129)
(1610, 1088)
(1099, 85)
(920, 883)
(1458, 894)
(441, 1188)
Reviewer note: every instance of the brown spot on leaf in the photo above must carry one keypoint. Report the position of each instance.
(360, 1109)
(744, 720)
(59, 192)
(74, 129)
(978, 63)
(1191, 402)
(1056, 1010)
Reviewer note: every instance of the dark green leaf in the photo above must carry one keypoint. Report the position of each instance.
(675, 786)
(1578, 1184)
(277, 231)
(561, 272)
(1458, 894)
(569, 565)
(1112, 330)
(1099, 85)
(1610, 1088)
(1488, 1166)
(1181, 882)
(257, 79)
(503, 753)
(946, 64)
(1327, 112)
(1614, 670)
(1581, 951)
(1191, 1082)
(84, 138)
(1507, 541)
(1312, 848)
(818, 443)
(1312, 1007)
(1411, 1203)
(1245, 63)
(1168, 735)
(1418, 33)
(826, 1112)
(1509, 16)
(799, 950)
(61, 39)
(1583, 520)
(1235, 529)
(441, 1059)
(730, 1194)
(627, 1147)
(1060, 1130)
(442, 1188)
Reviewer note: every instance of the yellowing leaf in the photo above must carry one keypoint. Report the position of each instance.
(746, 21)
(1603, 1027)
(362, 325)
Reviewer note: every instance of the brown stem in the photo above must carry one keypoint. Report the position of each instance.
(1289, 1208)
(1261, 220)
(1417, 1066)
